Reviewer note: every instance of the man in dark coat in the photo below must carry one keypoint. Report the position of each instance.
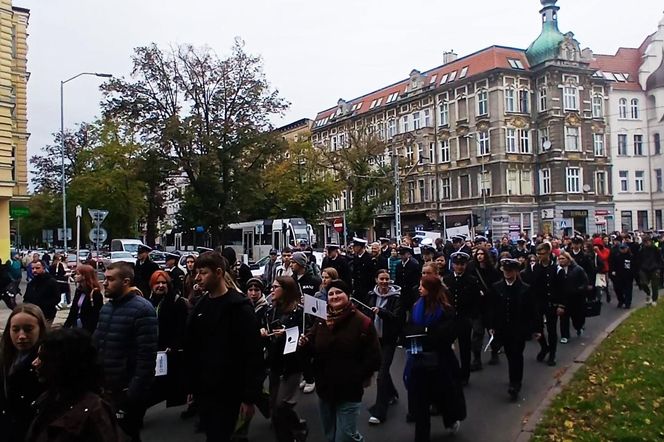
(175, 272)
(385, 250)
(513, 319)
(408, 278)
(466, 294)
(240, 271)
(126, 340)
(542, 280)
(144, 269)
(362, 270)
(223, 351)
(303, 274)
(377, 258)
(43, 291)
(338, 262)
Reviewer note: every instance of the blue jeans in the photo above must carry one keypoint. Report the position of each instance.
(340, 421)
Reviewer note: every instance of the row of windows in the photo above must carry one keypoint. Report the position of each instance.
(639, 181)
(633, 114)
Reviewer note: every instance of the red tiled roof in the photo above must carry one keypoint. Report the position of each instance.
(494, 57)
(625, 61)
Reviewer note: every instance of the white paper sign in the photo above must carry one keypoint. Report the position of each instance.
(315, 306)
(162, 364)
(292, 336)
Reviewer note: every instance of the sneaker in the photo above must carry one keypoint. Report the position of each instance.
(654, 304)
(551, 362)
(454, 429)
(579, 332)
(648, 300)
(309, 388)
(542, 354)
(563, 340)
(373, 420)
(302, 384)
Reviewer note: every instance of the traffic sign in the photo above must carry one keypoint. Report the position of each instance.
(338, 225)
(19, 212)
(98, 215)
(61, 234)
(98, 234)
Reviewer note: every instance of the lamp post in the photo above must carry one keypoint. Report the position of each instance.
(62, 147)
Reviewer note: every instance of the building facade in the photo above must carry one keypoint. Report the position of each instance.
(505, 140)
(13, 115)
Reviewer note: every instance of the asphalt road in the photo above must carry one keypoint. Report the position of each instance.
(491, 416)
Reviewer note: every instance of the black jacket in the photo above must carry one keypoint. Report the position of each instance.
(309, 283)
(18, 391)
(465, 294)
(172, 312)
(363, 276)
(649, 259)
(223, 349)
(279, 363)
(408, 278)
(89, 312)
(572, 285)
(513, 311)
(341, 265)
(389, 314)
(126, 339)
(43, 291)
(142, 274)
(542, 281)
(622, 264)
(177, 279)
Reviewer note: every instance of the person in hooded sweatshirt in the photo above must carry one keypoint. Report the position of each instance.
(386, 308)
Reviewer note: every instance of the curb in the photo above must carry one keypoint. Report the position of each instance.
(528, 429)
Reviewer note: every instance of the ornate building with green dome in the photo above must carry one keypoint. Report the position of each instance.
(505, 140)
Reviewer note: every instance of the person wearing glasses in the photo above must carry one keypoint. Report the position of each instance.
(285, 369)
(346, 354)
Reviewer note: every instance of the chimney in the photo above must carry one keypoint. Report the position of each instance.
(449, 57)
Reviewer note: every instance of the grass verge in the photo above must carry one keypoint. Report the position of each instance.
(618, 395)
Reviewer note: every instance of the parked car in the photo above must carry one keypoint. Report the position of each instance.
(117, 257)
(158, 257)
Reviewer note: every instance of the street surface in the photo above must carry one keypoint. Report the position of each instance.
(491, 416)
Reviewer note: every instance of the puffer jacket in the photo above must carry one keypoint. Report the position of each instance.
(126, 339)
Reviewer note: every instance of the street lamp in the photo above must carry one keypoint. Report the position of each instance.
(62, 147)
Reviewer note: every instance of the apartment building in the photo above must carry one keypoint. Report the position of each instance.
(504, 139)
(13, 115)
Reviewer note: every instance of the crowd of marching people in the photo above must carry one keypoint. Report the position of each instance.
(227, 344)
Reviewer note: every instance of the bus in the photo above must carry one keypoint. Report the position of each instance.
(256, 238)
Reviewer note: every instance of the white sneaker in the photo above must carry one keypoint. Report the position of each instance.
(374, 420)
(309, 388)
(648, 300)
(302, 384)
(654, 304)
(563, 340)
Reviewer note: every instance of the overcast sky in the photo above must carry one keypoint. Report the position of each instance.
(314, 52)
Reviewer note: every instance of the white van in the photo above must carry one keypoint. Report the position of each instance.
(126, 245)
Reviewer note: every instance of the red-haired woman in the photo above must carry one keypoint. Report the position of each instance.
(432, 373)
(84, 312)
(172, 311)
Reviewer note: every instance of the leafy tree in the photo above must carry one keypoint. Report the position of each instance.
(47, 168)
(211, 116)
(298, 184)
(45, 213)
(361, 167)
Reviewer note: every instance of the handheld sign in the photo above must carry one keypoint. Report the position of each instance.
(292, 336)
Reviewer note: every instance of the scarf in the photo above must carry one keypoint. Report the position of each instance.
(334, 318)
(260, 303)
(422, 318)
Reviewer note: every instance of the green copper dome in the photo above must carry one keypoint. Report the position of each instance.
(546, 46)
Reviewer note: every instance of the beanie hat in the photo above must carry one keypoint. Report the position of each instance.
(300, 258)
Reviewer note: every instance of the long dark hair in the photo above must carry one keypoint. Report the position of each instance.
(8, 351)
(437, 293)
(291, 292)
(69, 362)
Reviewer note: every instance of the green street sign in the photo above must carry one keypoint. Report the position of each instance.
(19, 212)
